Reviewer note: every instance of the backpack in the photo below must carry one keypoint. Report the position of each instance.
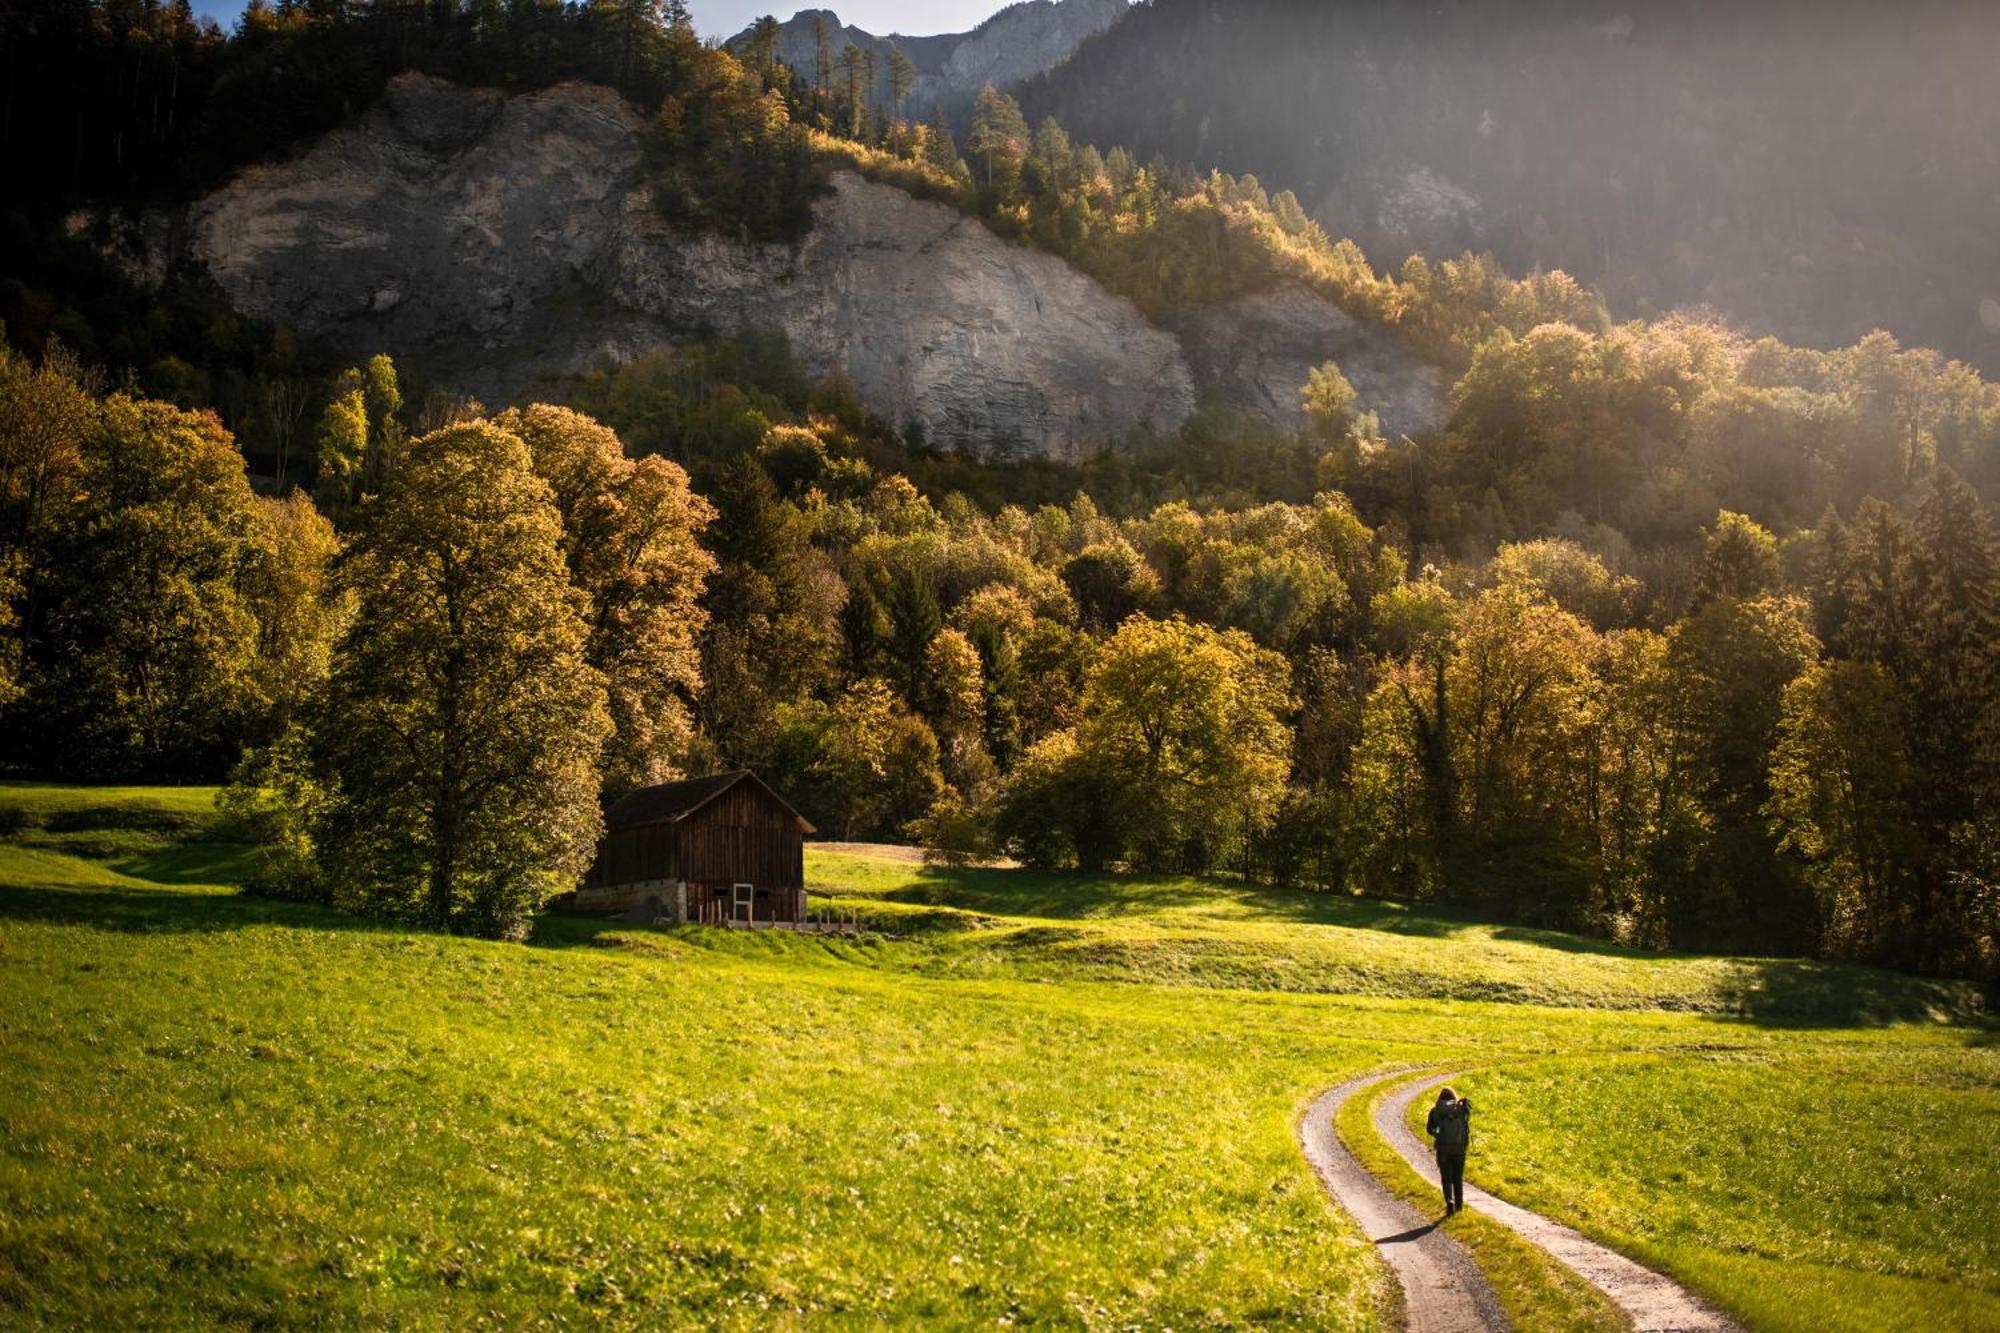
(1454, 1124)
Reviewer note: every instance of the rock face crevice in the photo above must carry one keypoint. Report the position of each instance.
(496, 242)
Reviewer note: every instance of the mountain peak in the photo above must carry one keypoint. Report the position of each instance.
(1010, 46)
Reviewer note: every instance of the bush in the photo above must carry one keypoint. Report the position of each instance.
(954, 834)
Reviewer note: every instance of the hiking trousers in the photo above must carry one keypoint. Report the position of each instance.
(1451, 1174)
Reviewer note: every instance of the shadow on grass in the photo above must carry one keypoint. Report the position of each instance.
(1081, 896)
(166, 911)
(192, 863)
(1801, 993)
(1779, 992)
(1567, 943)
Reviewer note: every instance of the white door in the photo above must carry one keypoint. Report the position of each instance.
(743, 903)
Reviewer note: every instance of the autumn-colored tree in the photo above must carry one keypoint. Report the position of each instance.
(340, 452)
(954, 696)
(288, 586)
(1572, 578)
(1405, 773)
(1192, 718)
(630, 540)
(1473, 773)
(1520, 684)
(1328, 399)
(45, 416)
(869, 764)
(1063, 808)
(147, 640)
(459, 735)
(1739, 559)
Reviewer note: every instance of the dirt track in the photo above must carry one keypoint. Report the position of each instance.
(1442, 1287)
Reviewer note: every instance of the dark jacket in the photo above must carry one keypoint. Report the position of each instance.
(1450, 1123)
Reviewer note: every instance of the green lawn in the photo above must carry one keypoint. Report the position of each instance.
(1819, 1183)
(1040, 1099)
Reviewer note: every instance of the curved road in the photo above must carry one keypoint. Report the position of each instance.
(1442, 1287)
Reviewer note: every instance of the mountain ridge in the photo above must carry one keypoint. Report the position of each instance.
(1012, 44)
(1812, 171)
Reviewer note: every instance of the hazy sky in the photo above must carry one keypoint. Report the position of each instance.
(725, 18)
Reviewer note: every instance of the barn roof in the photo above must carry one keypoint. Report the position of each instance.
(671, 802)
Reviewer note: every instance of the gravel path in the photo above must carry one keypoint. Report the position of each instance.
(1443, 1289)
(1656, 1303)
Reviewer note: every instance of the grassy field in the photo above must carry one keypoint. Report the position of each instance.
(1221, 934)
(1823, 1184)
(1535, 1290)
(1027, 1099)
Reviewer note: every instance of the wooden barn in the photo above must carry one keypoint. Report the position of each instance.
(721, 848)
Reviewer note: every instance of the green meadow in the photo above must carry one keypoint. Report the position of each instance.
(1017, 1098)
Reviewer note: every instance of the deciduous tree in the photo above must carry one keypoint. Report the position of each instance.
(630, 540)
(461, 730)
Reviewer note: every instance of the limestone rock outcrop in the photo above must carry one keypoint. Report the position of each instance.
(1256, 352)
(496, 242)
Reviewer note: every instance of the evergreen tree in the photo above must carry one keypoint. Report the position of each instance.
(939, 149)
(761, 50)
(914, 620)
(822, 54)
(1840, 787)
(902, 77)
(999, 143)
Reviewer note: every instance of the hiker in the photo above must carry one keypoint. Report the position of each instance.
(1450, 1125)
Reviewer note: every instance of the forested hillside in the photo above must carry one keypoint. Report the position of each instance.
(1812, 168)
(1672, 634)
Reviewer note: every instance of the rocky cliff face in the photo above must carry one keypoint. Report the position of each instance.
(1257, 351)
(1022, 41)
(496, 242)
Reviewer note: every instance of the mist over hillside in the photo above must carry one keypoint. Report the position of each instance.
(1812, 170)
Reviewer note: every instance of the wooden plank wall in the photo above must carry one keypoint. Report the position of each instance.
(743, 837)
(626, 856)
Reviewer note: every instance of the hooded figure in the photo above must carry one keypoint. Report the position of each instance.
(1450, 1128)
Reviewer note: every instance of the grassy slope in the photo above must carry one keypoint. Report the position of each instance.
(1215, 933)
(218, 1108)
